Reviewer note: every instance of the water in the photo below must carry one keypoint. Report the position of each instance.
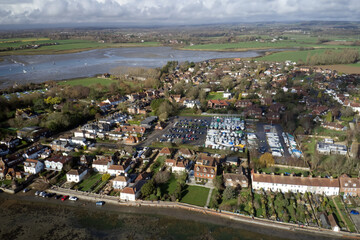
(40, 68)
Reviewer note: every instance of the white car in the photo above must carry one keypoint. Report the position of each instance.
(72, 198)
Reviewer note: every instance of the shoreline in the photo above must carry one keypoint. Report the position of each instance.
(246, 225)
(205, 212)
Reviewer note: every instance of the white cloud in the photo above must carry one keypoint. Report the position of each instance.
(169, 11)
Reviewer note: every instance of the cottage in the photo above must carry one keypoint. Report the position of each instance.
(116, 170)
(165, 152)
(101, 165)
(132, 193)
(57, 162)
(318, 185)
(218, 104)
(243, 103)
(33, 166)
(186, 153)
(120, 182)
(76, 175)
(176, 166)
(235, 180)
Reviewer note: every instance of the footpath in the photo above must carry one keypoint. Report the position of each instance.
(224, 214)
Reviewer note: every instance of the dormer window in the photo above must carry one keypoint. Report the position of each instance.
(354, 185)
(346, 184)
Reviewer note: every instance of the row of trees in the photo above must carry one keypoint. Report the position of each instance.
(345, 56)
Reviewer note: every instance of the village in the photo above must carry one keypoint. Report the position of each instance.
(274, 141)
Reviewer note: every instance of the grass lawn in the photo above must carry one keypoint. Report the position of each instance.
(169, 187)
(86, 82)
(87, 183)
(328, 132)
(64, 46)
(347, 219)
(214, 95)
(6, 182)
(160, 161)
(194, 195)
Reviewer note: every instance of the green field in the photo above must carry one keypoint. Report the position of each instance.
(195, 195)
(64, 46)
(169, 187)
(86, 82)
(87, 183)
(214, 95)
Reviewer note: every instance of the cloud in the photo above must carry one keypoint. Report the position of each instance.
(172, 12)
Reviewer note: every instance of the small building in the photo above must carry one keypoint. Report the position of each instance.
(132, 193)
(120, 182)
(334, 226)
(149, 122)
(234, 180)
(33, 166)
(165, 152)
(328, 148)
(76, 175)
(232, 160)
(101, 165)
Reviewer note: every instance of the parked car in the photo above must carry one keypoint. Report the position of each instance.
(58, 196)
(26, 190)
(73, 198)
(354, 212)
(37, 193)
(42, 194)
(64, 197)
(100, 203)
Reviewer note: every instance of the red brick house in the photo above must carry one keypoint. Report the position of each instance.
(218, 104)
(253, 112)
(243, 103)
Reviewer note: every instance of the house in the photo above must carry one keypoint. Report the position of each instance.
(315, 185)
(131, 140)
(191, 103)
(273, 116)
(131, 129)
(81, 141)
(235, 179)
(32, 133)
(120, 182)
(149, 122)
(227, 95)
(86, 160)
(10, 142)
(101, 165)
(34, 152)
(132, 193)
(349, 186)
(165, 152)
(176, 166)
(33, 166)
(184, 152)
(233, 160)
(205, 167)
(57, 162)
(116, 170)
(329, 148)
(253, 112)
(243, 103)
(76, 175)
(320, 110)
(333, 126)
(218, 104)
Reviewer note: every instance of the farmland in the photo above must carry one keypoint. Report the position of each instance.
(86, 82)
(63, 46)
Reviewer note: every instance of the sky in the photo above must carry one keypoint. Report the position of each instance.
(169, 12)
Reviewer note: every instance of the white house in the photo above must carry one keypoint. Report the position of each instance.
(227, 95)
(33, 166)
(191, 103)
(120, 182)
(101, 166)
(57, 162)
(76, 175)
(318, 185)
(129, 194)
(176, 166)
(78, 141)
(329, 148)
(132, 193)
(116, 170)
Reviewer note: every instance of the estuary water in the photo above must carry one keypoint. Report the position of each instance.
(40, 68)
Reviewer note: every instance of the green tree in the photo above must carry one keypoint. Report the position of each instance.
(266, 160)
(148, 188)
(229, 193)
(105, 177)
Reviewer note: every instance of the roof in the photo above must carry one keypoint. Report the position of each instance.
(332, 220)
(293, 180)
(31, 160)
(128, 190)
(100, 162)
(116, 167)
(234, 177)
(59, 158)
(165, 150)
(204, 169)
(120, 179)
(185, 151)
(347, 182)
(75, 171)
